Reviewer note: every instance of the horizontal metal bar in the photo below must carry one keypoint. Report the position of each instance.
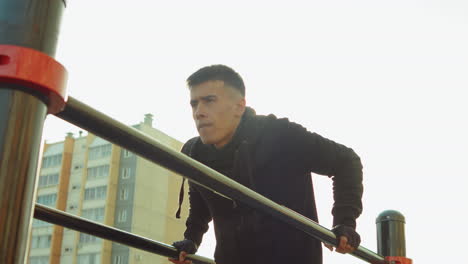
(150, 148)
(83, 225)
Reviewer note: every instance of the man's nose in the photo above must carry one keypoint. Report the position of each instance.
(199, 111)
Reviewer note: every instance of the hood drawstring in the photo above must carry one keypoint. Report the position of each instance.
(181, 199)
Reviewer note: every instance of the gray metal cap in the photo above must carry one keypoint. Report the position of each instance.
(390, 215)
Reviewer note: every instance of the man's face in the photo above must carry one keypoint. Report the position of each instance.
(217, 110)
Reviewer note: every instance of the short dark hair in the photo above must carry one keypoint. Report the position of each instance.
(217, 72)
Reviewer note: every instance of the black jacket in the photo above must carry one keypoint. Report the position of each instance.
(274, 157)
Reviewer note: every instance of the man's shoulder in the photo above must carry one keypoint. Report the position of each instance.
(272, 124)
(269, 130)
(275, 133)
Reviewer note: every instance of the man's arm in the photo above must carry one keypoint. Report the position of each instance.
(198, 219)
(199, 216)
(311, 152)
(197, 225)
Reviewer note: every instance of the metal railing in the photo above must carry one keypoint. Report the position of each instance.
(83, 225)
(127, 137)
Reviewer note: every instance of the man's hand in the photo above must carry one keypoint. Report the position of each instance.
(185, 247)
(181, 259)
(346, 238)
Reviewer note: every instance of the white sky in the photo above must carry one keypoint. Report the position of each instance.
(386, 78)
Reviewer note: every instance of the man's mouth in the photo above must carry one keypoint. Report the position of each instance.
(203, 125)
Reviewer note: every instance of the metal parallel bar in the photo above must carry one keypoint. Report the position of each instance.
(79, 224)
(118, 133)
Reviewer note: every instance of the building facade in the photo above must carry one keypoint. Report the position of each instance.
(92, 178)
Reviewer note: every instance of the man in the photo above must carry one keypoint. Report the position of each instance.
(272, 156)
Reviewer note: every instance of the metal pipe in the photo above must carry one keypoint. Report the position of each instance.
(83, 225)
(21, 122)
(391, 234)
(32, 24)
(104, 126)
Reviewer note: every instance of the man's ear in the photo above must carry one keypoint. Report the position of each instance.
(240, 106)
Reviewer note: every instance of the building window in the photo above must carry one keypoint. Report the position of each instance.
(122, 217)
(95, 193)
(48, 199)
(48, 180)
(41, 241)
(98, 172)
(92, 258)
(120, 260)
(88, 239)
(95, 214)
(127, 153)
(124, 193)
(126, 173)
(39, 223)
(39, 260)
(99, 152)
(52, 161)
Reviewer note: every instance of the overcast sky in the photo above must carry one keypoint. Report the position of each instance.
(386, 78)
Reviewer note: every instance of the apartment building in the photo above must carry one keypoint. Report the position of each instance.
(92, 178)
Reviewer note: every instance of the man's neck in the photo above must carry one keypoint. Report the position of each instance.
(229, 138)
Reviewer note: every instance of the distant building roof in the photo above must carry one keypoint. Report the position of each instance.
(54, 149)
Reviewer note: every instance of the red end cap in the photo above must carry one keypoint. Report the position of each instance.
(398, 260)
(35, 70)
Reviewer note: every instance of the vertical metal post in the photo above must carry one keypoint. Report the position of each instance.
(391, 241)
(32, 24)
(391, 234)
